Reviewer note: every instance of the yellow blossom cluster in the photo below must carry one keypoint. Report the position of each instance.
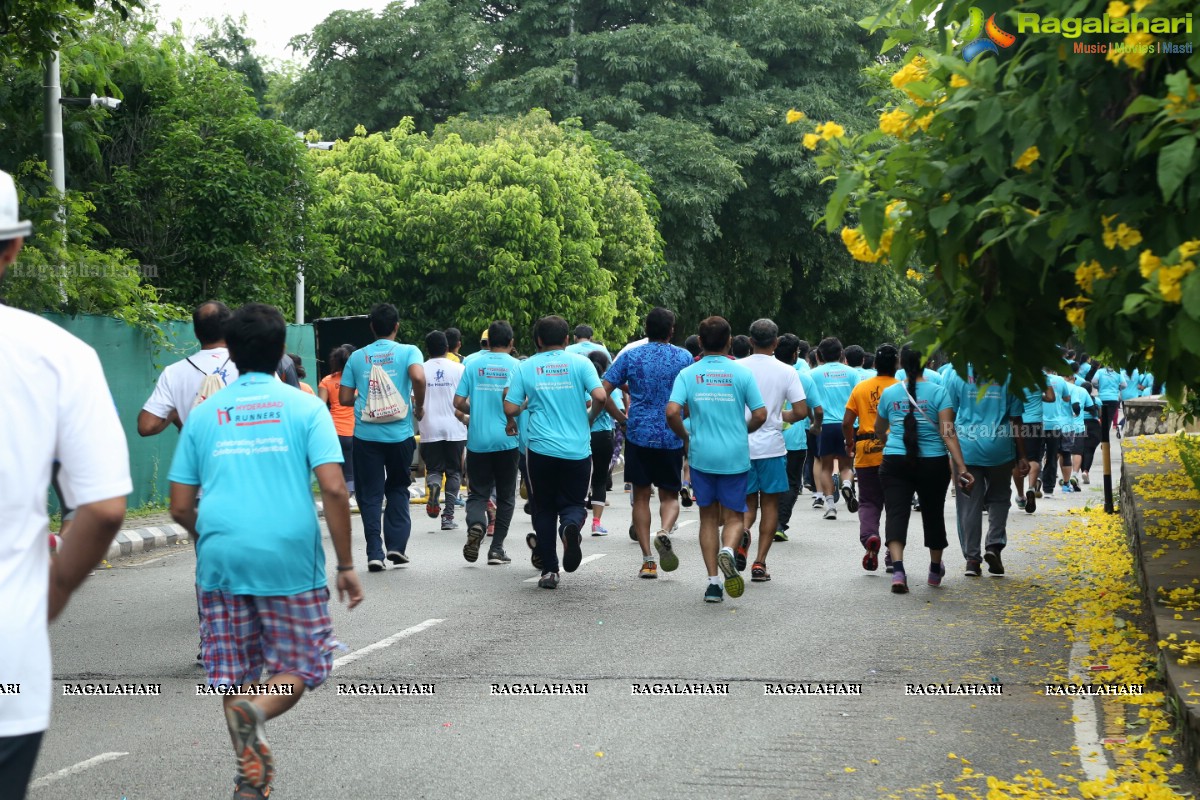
(900, 123)
(913, 275)
(824, 132)
(794, 116)
(1087, 273)
(958, 81)
(1026, 159)
(1170, 276)
(915, 70)
(1117, 8)
(1134, 53)
(1122, 236)
(856, 244)
(1075, 307)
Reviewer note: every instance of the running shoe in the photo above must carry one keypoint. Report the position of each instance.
(899, 582)
(818, 501)
(758, 572)
(534, 558)
(474, 538)
(549, 580)
(666, 553)
(1030, 501)
(497, 556)
(244, 791)
(851, 497)
(995, 565)
(887, 563)
(1087, 479)
(781, 536)
(734, 584)
(396, 557)
(685, 497)
(974, 568)
(460, 501)
(870, 561)
(1074, 483)
(572, 550)
(936, 573)
(598, 529)
(449, 524)
(1021, 503)
(830, 512)
(649, 570)
(714, 594)
(433, 509)
(1037, 493)
(742, 549)
(375, 565)
(256, 766)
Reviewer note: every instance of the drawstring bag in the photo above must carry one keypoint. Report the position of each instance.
(384, 403)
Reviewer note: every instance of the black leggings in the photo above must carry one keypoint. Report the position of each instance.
(602, 452)
(928, 479)
(18, 754)
(1090, 442)
(795, 473)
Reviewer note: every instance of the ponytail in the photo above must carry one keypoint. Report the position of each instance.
(910, 362)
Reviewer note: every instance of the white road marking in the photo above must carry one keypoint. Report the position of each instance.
(46, 780)
(681, 525)
(350, 658)
(1087, 732)
(585, 560)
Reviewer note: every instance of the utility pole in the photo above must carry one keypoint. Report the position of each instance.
(53, 134)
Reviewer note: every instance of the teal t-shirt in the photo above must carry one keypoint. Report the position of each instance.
(252, 448)
(1147, 384)
(604, 422)
(395, 359)
(716, 392)
(982, 422)
(795, 436)
(1055, 413)
(1075, 422)
(1131, 380)
(583, 348)
(1108, 384)
(929, 375)
(893, 405)
(835, 383)
(1031, 411)
(554, 383)
(483, 382)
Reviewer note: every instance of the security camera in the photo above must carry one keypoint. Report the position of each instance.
(111, 103)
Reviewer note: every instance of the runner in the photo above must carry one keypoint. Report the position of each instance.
(343, 416)
(778, 386)
(796, 435)
(443, 434)
(1053, 416)
(1072, 428)
(559, 455)
(861, 411)
(917, 421)
(584, 344)
(835, 381)
(1087, 441)
(715, 393)
(454, 345)
(741, 347)
(1034, 436)
(602, 444)
(653, 454)
(383, 451)
(1109, 386)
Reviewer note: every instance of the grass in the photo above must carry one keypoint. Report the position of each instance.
(1189, 454)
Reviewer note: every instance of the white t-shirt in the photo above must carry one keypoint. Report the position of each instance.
(177, 385)
(441, 382)
(56, 406)
(778, 383)
(630, 346)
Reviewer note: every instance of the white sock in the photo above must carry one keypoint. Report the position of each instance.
(831, 500)
(715, 580)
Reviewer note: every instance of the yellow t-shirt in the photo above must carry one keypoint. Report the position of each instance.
(864, 401)
(454, 357)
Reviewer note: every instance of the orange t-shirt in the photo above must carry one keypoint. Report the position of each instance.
(343, 416)
(864, 401)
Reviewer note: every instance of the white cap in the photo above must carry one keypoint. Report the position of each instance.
(11, 225)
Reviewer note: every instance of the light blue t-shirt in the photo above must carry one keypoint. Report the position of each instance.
(395, 359)
(893, 405)
(716, 392)
(1108, 384)
(1147, 384)
(982, 423)
(1131, 381)
(252, 448)
(1072, 422)
(604, 422)
(865, 374)
(835, 383)
(795, 436)
(483, 382)
(1055, 413)
(554, 383)
(928, 374)
(945, 370)
(1031, 412)
(583, 348)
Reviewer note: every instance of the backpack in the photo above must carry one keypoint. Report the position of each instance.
(211, 384)
(384, 403)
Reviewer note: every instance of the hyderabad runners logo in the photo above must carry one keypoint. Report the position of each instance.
(979, 37)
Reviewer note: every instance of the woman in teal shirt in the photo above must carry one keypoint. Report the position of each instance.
(916, 419)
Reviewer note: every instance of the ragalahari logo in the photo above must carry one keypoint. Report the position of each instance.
(981, 37)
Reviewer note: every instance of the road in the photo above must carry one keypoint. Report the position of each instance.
(822, 619)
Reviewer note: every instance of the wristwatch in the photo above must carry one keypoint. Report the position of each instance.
(345, 569)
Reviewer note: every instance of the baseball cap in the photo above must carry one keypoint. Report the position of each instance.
(11, 225)
(483, 337)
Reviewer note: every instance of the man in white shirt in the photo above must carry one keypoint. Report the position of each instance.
(175, 391)
(58, 407)
(778, 384)
(443, 434)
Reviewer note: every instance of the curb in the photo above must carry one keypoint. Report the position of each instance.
(139, 540)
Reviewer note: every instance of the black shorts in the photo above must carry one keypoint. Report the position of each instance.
(1067, 439)
(1035, 441)
(832, 442)
(646, 466)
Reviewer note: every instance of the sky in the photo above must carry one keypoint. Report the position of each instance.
(271, 23)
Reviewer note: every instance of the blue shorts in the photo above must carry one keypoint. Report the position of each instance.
(767, 475)
(832, 442)
(728, 490)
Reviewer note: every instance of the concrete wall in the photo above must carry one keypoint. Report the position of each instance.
(1148, 416)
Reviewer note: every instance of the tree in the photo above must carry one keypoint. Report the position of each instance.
(227, 44)
(1044, 192)
(31, 28)
(486, 220)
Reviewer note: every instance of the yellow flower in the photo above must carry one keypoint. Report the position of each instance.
(794, 116)
(1170, 281)
(915, 70)
(958, 81)
(1026, 159)
(858, 248)
(1136, 58)
(1148, 263)
(913, 275)
(1138, 5)
(1189, 248)
(1117, 9)
(1128, 237)
(1087, 274)
(811, 140)
(1075, 310)
(894, 122)
(923, 122)
(831, 130)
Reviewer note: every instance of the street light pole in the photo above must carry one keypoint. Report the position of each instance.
(53, 122)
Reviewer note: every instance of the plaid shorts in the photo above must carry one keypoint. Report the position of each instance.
(240, 634)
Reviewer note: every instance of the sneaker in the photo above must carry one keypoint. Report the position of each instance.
(598, 529)
(629, 488)
(375, 565)
(1031, 501)
(572, 551)
(887, 563)
(433, 509)
(734, 584)
(354, 506)
(474, 539)
(460, 501)
(534, 558)
(742, 549)
(649, 570)
(818, 501)
(396, 557)
(449, 524)
(256, 766)
(850, 496)
(244, 791)
(1037, 493)
(1074, 481)
(916, 503)
(549, 580)
(1021, 502)
(781, 536)
(523, 490)
(870, 561)
(666, 553)
(995, 565)
(685, 497)
(936, 573)
(830, 513)
(758, 572)
(974, 568)
(899, 583)
(497, 556)
(1087, 479)
(714, 594)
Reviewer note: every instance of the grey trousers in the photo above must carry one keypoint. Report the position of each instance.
(991, 489)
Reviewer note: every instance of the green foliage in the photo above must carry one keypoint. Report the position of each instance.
(227, 44)
(31, 28)
(487, 220)
(1052, 192)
